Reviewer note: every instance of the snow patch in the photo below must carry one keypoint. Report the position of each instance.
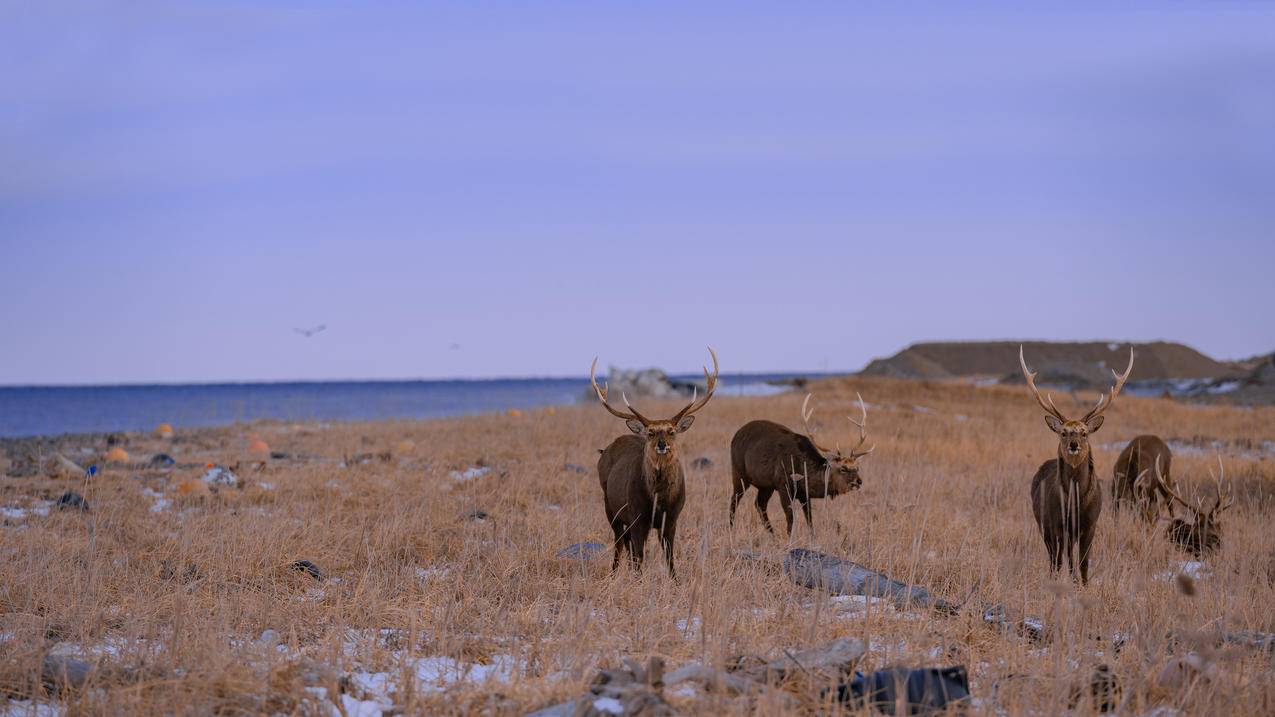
(609, 705)
(470, 473)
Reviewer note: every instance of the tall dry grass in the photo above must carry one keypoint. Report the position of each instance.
(171, 604)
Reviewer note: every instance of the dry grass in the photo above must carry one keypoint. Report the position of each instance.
(172, 602)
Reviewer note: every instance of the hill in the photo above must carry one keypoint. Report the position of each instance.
(1079, 364)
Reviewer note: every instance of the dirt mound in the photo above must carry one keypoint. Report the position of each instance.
(1081, 364)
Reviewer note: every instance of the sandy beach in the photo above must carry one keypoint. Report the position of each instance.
(434, 583)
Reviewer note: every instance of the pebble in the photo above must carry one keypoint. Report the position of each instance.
(573, 468)
(702, 463)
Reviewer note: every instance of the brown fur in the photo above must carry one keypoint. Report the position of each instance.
(766, 456)
(642, 489)
(1133, 482)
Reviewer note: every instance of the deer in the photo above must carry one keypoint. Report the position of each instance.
(1066, 500)
(774, 458)
(1202, 534)
(643, 481)
(1131, 485)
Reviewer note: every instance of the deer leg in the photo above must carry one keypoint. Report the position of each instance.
(738, 492)
(668, 530)
(1086, 540)
(763, 498)
(637, 542)
(785, 502)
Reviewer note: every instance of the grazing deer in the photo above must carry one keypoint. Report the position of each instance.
(643, 483)
(1131, 483)
(771, 457)
(1203, 533)
(1066, 500)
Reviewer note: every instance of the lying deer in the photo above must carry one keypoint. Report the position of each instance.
(1203, 533)
(774, 458)
(1131, 486)
(643, 483)
(1066, 500)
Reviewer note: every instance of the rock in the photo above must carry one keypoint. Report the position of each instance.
(476, 514)
(168, 571)
(830, 661)
(71, 500)
(922, 691)
(581, 551)
(702, 463)
(162, 460)
(308, 568)
(62, 673)
(573, 468)
(59, 466)
(218, 476)
(813, 569)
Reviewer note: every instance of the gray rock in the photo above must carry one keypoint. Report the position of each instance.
(308, 568)
(813, 569)
(702, 463)
(573, 468)
(581, 551)
(162, 460)
(61, 672)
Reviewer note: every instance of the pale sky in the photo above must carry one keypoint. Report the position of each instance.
(805, 187)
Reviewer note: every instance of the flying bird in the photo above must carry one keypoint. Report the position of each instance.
(311, 332)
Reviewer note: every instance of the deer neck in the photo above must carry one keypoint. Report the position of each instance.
(1078, 478)
(663, 479)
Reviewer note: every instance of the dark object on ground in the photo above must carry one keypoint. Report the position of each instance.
(816, 570)
(162, 460)
(924, 690)
(573, 468)
(1104, 688)
(280, 455)
(71, 500)
(476, 514)
(61, 673)
(702, 463)
(581, 551)
(308, 568)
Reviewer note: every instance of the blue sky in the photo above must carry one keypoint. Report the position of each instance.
(805, 186)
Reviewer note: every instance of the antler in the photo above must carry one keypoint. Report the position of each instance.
(1159, 478)
(602, 396)
(697, 403)
(1049, 407)
(863, 430)
(1218, 507)
(806, 413)
(1104, 401)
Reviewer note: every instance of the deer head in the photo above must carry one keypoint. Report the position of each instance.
(660, 434)
(841, 472)
(1203, 533)
(1073, 435)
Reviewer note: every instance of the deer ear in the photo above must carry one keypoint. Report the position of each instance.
(636, 426)
(685, 423)
(1095, 423)
(1054, 424)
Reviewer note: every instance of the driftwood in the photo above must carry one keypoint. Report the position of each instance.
(636, 690)
(818, 571)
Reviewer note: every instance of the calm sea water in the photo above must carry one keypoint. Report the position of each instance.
(49, 410)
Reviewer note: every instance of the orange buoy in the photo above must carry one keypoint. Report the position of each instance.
(405, 447)
(550, 411)
(164, 430)
(514, 413)
(258, 446)
(117, 455)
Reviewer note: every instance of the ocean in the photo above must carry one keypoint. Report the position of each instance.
(52, 410)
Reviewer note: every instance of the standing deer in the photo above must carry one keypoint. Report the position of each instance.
(643, 483)
(771, 457)
(1203, 533)
(1132, 484)
(1066, 500)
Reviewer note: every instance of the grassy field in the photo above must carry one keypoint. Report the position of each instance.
(187, 602)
